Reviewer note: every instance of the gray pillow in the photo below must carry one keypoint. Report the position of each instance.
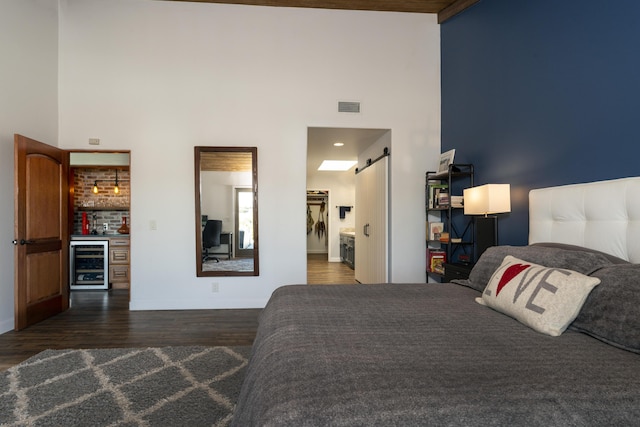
(611, 313)
(612, 258)
(580, 261)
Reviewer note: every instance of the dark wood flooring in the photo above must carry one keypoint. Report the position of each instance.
(100, 319)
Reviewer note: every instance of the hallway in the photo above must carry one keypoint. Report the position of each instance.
(322, 272)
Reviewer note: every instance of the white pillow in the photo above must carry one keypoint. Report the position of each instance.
(545, 299)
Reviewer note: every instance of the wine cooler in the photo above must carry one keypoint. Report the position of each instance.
(89, 264)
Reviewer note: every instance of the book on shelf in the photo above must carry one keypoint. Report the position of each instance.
(457, 201)
(443, 199)
(437, 259)
(436, 192)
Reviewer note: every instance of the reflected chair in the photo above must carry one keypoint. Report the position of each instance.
(211, 238)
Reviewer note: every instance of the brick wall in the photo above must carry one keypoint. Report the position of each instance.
(109, 207)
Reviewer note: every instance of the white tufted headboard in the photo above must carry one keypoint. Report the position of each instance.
(603, 215)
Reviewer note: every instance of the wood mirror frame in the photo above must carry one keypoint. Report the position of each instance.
(238, 167)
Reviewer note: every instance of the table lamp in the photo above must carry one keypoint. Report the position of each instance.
(485, 200)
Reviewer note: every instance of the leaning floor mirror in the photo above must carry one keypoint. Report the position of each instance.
(226, 190)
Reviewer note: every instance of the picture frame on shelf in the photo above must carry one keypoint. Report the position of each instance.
(446, 159)
(435, 229)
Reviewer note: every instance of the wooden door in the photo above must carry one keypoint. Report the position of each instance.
(371, 243)
(41, 231)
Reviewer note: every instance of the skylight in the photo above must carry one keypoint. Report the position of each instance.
(337, 165)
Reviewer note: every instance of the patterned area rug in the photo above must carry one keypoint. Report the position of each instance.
(168, 386)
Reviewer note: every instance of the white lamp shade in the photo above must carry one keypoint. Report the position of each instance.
(487, 199)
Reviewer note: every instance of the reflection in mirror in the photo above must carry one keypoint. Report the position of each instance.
(226, 186)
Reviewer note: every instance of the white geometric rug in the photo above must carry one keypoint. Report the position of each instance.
(168, 386)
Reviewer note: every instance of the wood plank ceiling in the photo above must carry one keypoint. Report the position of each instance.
(444, 8)
(226, 161)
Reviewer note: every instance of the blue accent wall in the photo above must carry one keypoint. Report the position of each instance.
(538, 93)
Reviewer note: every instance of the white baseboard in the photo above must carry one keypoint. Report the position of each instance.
(193, 304)
(6, 325)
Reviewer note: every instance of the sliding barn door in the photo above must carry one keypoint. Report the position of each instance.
(371, 250)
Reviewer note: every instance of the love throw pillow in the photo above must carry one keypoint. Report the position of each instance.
(545, 299)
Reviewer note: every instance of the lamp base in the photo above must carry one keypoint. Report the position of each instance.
(486, 233)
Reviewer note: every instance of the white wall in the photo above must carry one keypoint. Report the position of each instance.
(161, 77)
(28, 105)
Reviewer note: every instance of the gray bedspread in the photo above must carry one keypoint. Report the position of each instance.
(425, 354)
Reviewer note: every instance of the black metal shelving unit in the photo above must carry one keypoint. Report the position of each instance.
(458, 247)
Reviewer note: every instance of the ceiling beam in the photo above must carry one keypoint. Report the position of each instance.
(454, 9)
(445, 9)
(410, 6)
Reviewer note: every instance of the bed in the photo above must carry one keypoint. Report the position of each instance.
(450, 354)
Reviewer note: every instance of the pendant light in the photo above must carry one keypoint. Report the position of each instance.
(95, 187)
(116, 189)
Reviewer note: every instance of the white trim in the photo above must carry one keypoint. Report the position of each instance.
(194, 304)
(6, 325)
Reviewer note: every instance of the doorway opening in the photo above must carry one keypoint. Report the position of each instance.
(342, 144)
(318, 223)
(99, 212)
(48, 200)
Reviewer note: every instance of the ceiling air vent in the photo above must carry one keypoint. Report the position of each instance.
(348, 107)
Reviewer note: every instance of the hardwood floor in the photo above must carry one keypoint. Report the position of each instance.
(322, 272)
(102, 320)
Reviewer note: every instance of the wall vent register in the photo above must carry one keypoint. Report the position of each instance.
(348, 107)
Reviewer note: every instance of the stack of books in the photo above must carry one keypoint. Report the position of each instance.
(436, 260)
(438, 193)
(457, 201)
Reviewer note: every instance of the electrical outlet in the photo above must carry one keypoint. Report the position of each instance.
(94, 141)
(214, 287)
(105, 226)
